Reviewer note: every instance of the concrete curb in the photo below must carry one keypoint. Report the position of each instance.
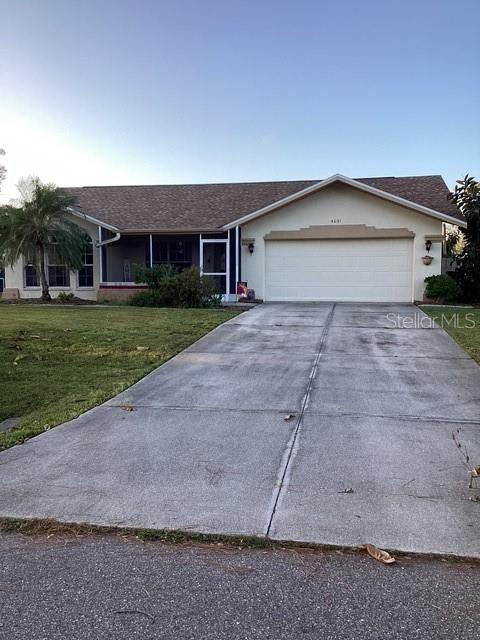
(35, 526)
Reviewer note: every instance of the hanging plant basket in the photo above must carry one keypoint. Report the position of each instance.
(427, 260)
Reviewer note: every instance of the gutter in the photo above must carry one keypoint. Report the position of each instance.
(86, 216)
(102, 243)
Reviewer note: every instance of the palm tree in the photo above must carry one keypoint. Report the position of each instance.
(40, 227)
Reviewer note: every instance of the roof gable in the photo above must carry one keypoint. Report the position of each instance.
(362, 185)
(215, 206)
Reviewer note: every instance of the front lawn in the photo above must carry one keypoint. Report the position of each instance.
(56, 363)
(462, 324)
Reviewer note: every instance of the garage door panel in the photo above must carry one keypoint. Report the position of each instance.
(355, 270)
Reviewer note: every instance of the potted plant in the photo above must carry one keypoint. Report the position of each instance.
(427, 260)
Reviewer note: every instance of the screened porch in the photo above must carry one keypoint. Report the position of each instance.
(214, 253)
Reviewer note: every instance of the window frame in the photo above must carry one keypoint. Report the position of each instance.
(49, 264)
(87, 264)
(67, 272)
(30, 286)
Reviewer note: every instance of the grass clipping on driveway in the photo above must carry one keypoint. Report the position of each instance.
(55, 363)
(463, 324)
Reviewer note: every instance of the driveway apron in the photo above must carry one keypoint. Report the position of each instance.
(366, 454)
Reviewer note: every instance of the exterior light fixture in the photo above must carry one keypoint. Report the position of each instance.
(428, 245)
(250, 248)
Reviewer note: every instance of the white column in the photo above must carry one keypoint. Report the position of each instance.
(151, 251)
(227, 289)
(237, 257)
(201, 254)
(100, 253)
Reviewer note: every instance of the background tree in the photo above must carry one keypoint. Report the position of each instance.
(455, 242)
(467, 198)
(39, 227)
(3, 169)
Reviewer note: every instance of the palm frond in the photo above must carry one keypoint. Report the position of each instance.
(41, 226)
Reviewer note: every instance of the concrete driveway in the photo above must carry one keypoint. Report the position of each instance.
(367, 455)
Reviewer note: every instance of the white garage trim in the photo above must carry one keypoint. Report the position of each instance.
(347, 270)
(339, 232)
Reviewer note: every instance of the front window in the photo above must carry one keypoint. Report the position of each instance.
(85, 274)
(58, 275)
(31, 276)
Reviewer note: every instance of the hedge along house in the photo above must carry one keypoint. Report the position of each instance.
(335, 239)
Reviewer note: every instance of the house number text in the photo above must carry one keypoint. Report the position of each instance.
(336, 220)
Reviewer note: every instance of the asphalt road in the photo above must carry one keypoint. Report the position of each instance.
(92, 587)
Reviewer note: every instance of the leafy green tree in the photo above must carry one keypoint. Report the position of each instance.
(454, 242)
(39, 227)
(3, 170)
(467, 198)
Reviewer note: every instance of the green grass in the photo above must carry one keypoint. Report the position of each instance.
(55, 363)
(462, 324)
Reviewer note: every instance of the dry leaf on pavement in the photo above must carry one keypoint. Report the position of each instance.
(379, 554)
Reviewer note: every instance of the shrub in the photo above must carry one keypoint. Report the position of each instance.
(64, 297)
(213, 300)
(145, 299)
(154, 276)
(194, 290)
(161, 281)
(171, 288)
(442, 288)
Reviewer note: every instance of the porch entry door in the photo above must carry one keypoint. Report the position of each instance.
(214, 260)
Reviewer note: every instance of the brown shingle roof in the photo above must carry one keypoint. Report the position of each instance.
(210, 206)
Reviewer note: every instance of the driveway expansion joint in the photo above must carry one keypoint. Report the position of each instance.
(293, 438)
(167, 407)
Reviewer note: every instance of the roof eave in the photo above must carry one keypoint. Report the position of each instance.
(89, 218)
(110, 227)
(172, 231)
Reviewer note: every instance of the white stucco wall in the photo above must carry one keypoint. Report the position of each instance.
(346, 206)
(14, 277)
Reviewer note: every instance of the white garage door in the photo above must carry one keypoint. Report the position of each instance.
(377, 270)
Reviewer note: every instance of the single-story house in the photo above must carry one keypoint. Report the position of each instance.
(335, 239)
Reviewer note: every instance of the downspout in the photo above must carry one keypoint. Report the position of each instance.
(109, 241)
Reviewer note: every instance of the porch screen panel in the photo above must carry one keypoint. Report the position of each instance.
(176, 252)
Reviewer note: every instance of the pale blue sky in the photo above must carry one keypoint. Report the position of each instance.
(117, 92)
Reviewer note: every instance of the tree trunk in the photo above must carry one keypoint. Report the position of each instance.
(43, 277)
